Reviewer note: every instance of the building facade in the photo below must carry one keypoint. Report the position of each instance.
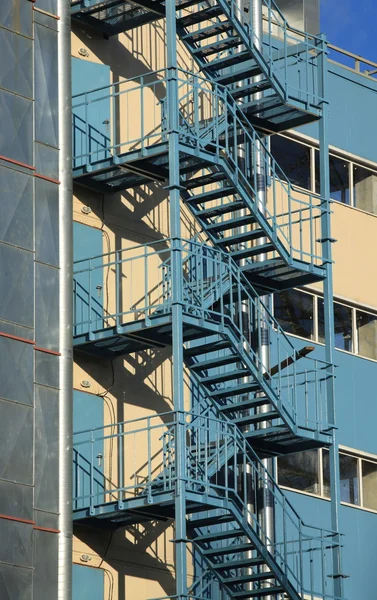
(213, 436)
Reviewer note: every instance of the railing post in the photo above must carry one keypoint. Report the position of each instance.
(329, 312)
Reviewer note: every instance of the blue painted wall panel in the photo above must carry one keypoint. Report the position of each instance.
(353, 115)
(87, 583)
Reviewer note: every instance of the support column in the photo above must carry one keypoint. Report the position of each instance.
(65, 304)
(329, 312)
(177, 309)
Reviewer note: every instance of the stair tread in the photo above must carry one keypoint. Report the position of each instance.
(237, 76)
(207, 348)
(258, 418)
(200, 16)
(219, 535)
(253, 251)
(227, 376)
(228, 61)
(251, 88)
(232, 223)
(218, 46)
(248, 578)
(216, 362)
(222, 209)
(207, 32)
(228, 550)
(257, 593)
(238, 564)
(212, 195)
(247, 236)
(255, 403)
(204, 180)
(208, 521)
(243, 388)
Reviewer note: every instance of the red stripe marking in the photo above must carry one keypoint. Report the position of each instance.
(46, 178)
(9, 518)
(46, 529)
(47, 351)
(16, 162)
(18, 339)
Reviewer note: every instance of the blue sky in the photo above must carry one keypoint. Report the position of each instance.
(351, 24)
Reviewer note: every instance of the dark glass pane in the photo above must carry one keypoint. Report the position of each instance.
(342, 326)
(349, 483)
(326, 473)
(367, 334)
(294, 312)
(300, 471)
(365, 189)
(369, 470)
(339, 178)
(293, 159)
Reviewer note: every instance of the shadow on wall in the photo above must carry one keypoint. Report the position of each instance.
(137, 551)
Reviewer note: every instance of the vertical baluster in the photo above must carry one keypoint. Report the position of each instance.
(117, 290)
(91, 482)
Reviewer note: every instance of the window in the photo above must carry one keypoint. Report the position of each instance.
(302, 314)
(364, 189)
(366, 334)
(309, 472)
(294, 159)
(294, 312)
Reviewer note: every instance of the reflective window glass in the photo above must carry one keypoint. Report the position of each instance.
(339, 178)
(326, 473)
(349, 483)
(369, 472)
(294, 160)
(367, 334)
(300, 471)
(342, 325)
(365, 189)
(294, 312)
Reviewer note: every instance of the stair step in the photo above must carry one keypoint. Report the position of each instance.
(258, 418)
(207, 348)
(207, 522)
(219, 535)
(222, 209)
(184, 5)
(241, 389)
(228, 61)
(219, 46)
(232, 223)
(248, 236)
(251, 88)
(226, 376)
(248, 578)
(258, 593)
(239, 564)
(246, 405)
(228, 550)
(237, 76)
(199, 16)
(254, 251)
(207, 32)
(213, 195)
(216, 362)
(203, 180)
(256, 106)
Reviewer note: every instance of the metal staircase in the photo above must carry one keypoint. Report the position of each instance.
(199, 135)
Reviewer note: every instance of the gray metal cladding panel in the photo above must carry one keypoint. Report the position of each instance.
(19, 549)
(49, 6)
(46, 20)
(46, 566)
(16, 208)
(16, 500)
(46, 85)
(46, 519)
(46, 448)
(47, 303)
(46, 369)
(16, 73)
(47, 222)
(16, 583)
(16, 135)
(17, 15)
(16, 370)
(46, 161)
(16, 442)
(16, 285)
(17, 330)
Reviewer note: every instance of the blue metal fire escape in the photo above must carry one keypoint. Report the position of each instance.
(205, 466)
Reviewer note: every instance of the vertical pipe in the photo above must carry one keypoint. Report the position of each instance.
(177, 309)
(329, 312)
(65, 303)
